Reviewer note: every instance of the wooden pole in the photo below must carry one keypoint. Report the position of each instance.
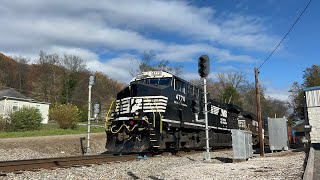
(256, 73)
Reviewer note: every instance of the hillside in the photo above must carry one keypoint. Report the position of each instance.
(56, 79)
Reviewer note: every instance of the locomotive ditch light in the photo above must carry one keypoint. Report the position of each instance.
(136, 113)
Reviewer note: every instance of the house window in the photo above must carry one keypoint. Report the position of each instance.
(15, 106)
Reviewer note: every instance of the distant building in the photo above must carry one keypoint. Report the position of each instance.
(312, 110)
(12, 100)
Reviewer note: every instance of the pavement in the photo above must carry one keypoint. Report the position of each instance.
(312, 170)
(316, 169)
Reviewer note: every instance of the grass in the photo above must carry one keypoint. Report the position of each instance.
(51, 129)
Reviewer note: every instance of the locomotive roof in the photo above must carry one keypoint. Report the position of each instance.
(156, 74)
(152, 74)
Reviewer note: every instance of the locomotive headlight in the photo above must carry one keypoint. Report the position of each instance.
(136, 113)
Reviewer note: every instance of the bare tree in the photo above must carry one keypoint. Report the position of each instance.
(148, 62)
(73, 66)
(22, 71)
(233, 79)
(73, 63)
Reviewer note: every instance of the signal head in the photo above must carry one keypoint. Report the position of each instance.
(203, 66)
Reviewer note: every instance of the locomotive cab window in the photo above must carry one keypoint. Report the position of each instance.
(142, 81)
(160, 81)
(180, 86)
(196, 92)
(155, 81)
(190, 89)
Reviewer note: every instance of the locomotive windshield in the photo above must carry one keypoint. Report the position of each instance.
(155, 81)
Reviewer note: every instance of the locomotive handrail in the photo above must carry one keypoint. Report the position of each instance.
(154, 118)
(160, 117)
(128, 127)
(146, 119)
(116, 130)
(107, 117)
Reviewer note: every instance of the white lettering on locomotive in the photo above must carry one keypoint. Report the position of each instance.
(218, 111)
(155, 73)
(180, 98)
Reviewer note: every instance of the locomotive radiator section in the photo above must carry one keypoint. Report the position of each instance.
(135, 124)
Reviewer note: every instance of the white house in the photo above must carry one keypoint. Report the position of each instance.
(312, 107)
(12, 100)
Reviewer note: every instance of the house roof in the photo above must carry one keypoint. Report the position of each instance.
(12, 93)
(312, 88)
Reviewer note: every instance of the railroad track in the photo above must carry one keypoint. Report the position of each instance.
(17, 166)
(63, 162)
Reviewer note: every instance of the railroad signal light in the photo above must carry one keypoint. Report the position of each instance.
(92, 80)
(203, 66)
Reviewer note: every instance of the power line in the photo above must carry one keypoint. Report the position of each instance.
(286, 34)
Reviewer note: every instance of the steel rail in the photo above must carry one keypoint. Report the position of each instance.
(48, 163)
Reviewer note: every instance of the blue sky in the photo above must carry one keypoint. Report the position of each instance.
(236, 34)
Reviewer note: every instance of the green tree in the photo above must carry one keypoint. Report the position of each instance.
(311, 77)
(230, 95)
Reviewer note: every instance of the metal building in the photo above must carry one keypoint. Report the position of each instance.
(312, 110)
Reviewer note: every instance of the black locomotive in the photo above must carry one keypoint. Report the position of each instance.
(159, 111)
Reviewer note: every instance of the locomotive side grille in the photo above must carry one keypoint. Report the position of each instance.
(145, 103)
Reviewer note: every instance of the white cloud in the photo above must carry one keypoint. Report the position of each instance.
(115, 24)
(277, 93)
(85, 54)
(116, 68)
(119, 27)
(185, 52)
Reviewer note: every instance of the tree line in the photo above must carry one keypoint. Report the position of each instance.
(63, 79)
(225, 87)
(56, 79)
(311, 78)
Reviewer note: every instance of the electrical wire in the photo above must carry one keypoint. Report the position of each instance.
(285, 34)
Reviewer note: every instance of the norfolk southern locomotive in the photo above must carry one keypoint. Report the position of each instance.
(159, 111)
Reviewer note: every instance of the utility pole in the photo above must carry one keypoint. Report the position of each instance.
(256, 73)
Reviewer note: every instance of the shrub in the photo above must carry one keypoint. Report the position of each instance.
(66, 115)
(3, 124)
(84, 113)
(26, 118)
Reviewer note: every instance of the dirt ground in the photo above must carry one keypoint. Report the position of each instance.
(65, 144)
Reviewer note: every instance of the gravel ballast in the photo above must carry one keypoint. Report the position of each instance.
(48, 146)
(281, 165)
